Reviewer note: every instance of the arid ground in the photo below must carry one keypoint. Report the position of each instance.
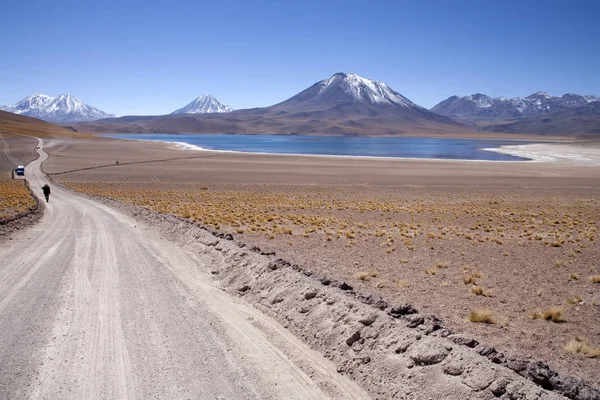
(519, 239)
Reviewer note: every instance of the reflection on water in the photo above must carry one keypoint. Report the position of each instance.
(402, 147)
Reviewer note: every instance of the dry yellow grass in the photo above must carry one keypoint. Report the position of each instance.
(595, 279)
(481, 316)
(265, 211)
(481, 291)
(471, 278)
(14, 198)
(363, 276)
(366, 276)
(579, 346)
(554, 314)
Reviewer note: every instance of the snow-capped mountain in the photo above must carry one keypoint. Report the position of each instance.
(481, 106)
(64, 108)
(354, 97)
(344, 88)
(204, 104)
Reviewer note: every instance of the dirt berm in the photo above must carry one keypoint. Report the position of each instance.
(393, 351)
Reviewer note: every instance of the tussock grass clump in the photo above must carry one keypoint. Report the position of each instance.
(574, 300)
(580, 347)
(574, 276)
(471, 278)
(481, 291)
(363, 276)
(430, 272)
(366, 276)
(554, 314)
(595, 279)
(403, 283)
(481, 316)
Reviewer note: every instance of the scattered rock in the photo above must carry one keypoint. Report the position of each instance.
(541, 374)
(272, 266)
(355, 336)
(311, 294)
(402, 348)
(244, 288)
(480, 378)
(368, 320)
(432, 324)
(444, 332)
(357, 346)
(267, 252)
(427, 354)
(415, 320)
(325, 281)
(373, 300)
(277, 299)
(464, 341)
(454, 369)
(343, 286)
(486, 351)
(498, 387)
(497, 358)
(405, 309)
(517, 365)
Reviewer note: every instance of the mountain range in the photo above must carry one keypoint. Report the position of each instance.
(342, 104)
(579, 121)
(64, 108)
(480, 107)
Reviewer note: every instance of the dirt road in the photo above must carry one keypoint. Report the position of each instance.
(96, 305)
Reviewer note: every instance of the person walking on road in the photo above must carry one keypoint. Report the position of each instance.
(46, 190)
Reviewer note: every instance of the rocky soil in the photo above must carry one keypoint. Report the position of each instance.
(392, 350)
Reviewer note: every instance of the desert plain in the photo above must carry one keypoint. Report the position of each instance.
(514, 242)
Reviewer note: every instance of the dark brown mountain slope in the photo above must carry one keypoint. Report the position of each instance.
(345, 104)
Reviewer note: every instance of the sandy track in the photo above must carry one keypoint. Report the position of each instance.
(96, 305)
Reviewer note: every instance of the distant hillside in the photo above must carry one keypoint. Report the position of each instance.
(10, 122)
(344, 104)
(584, 121)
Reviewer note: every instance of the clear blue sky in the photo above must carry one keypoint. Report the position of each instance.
(151, 57)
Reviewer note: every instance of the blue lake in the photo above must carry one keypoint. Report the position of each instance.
(401, 147)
